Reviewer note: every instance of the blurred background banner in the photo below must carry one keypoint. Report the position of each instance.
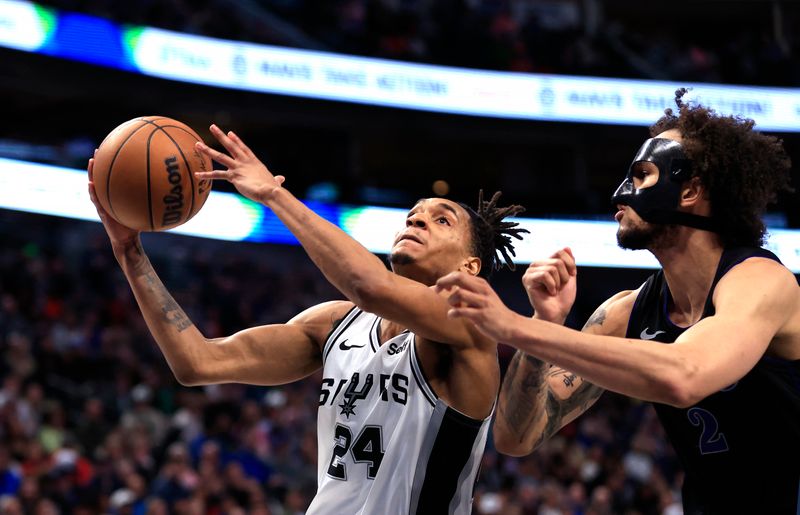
(62, 192)
(269, 69)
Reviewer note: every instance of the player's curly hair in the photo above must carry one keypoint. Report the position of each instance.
(742, 169)
(491, 235)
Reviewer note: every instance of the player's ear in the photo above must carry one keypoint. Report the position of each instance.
(692, 191)
(471, 265)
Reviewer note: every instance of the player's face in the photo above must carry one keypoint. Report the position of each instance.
(633, 232)
(435, 240)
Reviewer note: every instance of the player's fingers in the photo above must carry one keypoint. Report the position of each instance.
(90, 184)
(216, 155)
(226, 141)
(462, 297)
(538, 266)
(539, 263)
(93, 197)
(90, 167)
(469, 313)
(225, 175)
(565, 255)
(553, 273)
(450, 281)
(92, 194)
(561, 268)
(533, 277)
(242, 147)
(545, 279)
(454, 296)
(280, 179)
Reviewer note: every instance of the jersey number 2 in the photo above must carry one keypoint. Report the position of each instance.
(367, 448)
(711, 440)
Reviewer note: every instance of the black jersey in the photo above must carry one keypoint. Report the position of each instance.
(739, 447)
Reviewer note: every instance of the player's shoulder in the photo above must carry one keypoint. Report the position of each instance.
(623, 299)
(758, 274)
(332, 311)
(620, 305)
(321, 319)
(759, 266)
(611, 318)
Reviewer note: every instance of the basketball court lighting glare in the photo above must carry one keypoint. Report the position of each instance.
(58, 191)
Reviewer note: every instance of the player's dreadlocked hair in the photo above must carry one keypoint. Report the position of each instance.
(491, 236)
(742, 169)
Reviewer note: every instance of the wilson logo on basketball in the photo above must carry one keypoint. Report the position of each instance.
(173, 201)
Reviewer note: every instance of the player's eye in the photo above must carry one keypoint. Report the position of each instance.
(443, 220)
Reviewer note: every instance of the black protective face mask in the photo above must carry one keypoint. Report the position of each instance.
(658, 204)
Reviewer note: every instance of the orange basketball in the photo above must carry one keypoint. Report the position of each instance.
(144, 174)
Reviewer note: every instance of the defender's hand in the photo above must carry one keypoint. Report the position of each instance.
(472, 298)
(245, 171)
(119, 235)
(551, 285)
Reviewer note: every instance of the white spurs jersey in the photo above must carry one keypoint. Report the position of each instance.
(387, 443)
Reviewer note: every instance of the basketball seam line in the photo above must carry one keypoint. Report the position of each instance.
(111, 167)
(149, 189)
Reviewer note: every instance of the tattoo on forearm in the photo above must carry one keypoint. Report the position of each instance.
(528, 397)
(567, 377)
(597, 318)
(173, 313)
(558, 409)
(141, 267)
(524, 385)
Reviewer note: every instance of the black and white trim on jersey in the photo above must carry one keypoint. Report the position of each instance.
(419, 375)
(447, 458)
(337, 331)
(375, 335)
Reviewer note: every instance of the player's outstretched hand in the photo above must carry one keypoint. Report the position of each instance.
(244, 170)
(117, 233)
(472, 298)
(551, 285)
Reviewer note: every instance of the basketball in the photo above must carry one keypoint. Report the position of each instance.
(144, 174)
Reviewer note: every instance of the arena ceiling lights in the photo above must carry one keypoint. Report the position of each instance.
(230, 64)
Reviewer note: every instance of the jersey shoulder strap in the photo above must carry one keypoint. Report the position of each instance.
(648, 297)
(730, 258)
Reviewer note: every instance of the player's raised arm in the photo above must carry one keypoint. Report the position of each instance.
(712, 354)
(434, 242)
(262, 355)
(537, 399)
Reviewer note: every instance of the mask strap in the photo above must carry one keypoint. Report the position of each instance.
(704, 223)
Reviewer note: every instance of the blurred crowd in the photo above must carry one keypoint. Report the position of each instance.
(553, 36)
(92, 420)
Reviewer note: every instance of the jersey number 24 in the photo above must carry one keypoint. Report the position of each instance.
(366, 448)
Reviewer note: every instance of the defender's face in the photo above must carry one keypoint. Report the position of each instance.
(633, 232)
(436, 238)
(643, 175)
